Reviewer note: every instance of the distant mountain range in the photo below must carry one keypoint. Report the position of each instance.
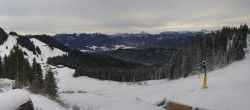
(102, 42)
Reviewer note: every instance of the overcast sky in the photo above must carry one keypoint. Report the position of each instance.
(118, 16)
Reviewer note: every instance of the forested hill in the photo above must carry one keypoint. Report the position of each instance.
(218, 49)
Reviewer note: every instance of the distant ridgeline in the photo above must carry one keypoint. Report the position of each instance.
(218, 49)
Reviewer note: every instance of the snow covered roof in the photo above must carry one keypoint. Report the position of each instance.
(11, 100)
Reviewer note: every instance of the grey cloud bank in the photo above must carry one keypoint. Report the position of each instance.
(115, 16)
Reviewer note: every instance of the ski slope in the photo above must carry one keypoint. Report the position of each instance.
(228, 89)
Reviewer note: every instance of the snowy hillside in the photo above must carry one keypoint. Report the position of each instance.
(46, 51)
(228, 89)
(6, 47)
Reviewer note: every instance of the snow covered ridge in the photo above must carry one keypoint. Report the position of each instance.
(46, 51)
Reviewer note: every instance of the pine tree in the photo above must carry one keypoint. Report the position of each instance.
(26, 70)
(2, 75)
(50, 84)
(37, 72)
(5, 66)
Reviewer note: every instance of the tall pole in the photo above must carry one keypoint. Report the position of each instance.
(205, 79)
(204, 66)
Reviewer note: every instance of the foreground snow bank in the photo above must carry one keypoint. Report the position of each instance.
(11, 100)
(131, 104)
(43, 103)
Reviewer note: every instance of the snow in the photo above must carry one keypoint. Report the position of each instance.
(5, 84)
(43, 103)
(228, 89)
(46, 51)
(11, 100)
(10, 42)
(132, 104)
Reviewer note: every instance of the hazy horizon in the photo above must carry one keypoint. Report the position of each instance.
(117, 16)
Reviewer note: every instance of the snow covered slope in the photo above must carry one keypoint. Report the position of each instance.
(228, 89)
(46, 51)
(6, 47)
(43, 103)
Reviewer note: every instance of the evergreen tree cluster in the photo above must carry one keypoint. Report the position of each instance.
(50, 87)
(25, 42)
(218, 49)
(17, 67)
(117, 73)
(95, 67)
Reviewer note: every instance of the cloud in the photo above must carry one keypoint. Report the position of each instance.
(112, 16)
